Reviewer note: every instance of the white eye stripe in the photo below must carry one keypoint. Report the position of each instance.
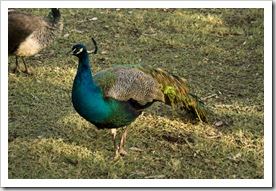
(79, 51)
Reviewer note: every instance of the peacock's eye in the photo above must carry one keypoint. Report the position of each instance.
(79, 50)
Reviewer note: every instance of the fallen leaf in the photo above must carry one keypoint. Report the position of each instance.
(135, 149)
(155, 176)
(137, 173)
(219, 123)
(93, 19)
(77, 31)
(104, 52)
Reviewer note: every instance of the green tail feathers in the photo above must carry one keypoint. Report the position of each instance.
(177, 92)
(185, 100)
(196, 106)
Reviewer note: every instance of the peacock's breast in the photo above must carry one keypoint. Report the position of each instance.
(121, 114)
(89, 104)
(102, 113)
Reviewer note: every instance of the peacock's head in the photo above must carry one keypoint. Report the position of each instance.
(79, 50)
(54, 15)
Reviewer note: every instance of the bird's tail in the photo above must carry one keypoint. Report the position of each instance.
(177, 92)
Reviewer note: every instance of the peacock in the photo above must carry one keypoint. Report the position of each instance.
(115, 97)
(29, 33)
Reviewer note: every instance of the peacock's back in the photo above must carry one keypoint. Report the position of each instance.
(125, 83)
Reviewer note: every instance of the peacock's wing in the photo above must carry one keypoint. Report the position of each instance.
(25, 24)
(125, 83)
(144, 84)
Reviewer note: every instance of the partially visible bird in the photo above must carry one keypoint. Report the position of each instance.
(29, 33)
(115, 97)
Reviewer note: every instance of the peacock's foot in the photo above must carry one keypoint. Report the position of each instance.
(28, 71)
(116, 156)
(123, 152)
(16, 70)
(120, 152)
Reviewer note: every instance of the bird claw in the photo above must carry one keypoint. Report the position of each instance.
(116, 157)
(123, 152)
(16, 70)
(28, 72)
(120, 152)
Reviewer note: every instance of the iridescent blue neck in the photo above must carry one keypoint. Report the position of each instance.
(84, 73)
(87, 97)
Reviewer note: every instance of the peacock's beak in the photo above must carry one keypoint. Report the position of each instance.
(70, 52)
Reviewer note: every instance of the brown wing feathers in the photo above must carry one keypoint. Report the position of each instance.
(145, 84)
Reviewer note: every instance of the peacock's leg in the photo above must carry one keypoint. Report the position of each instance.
(16, 69)
(123, 143)
(26, 68)
(113, 132)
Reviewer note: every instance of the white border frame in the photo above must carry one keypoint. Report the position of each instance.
(266, 182)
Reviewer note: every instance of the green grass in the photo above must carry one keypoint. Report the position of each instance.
(219, 51)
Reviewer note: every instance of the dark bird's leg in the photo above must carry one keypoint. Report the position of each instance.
(16, 69)
(123, 143)
(26, 68)
(113, 132)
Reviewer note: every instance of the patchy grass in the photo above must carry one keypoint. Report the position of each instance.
(219, 51)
